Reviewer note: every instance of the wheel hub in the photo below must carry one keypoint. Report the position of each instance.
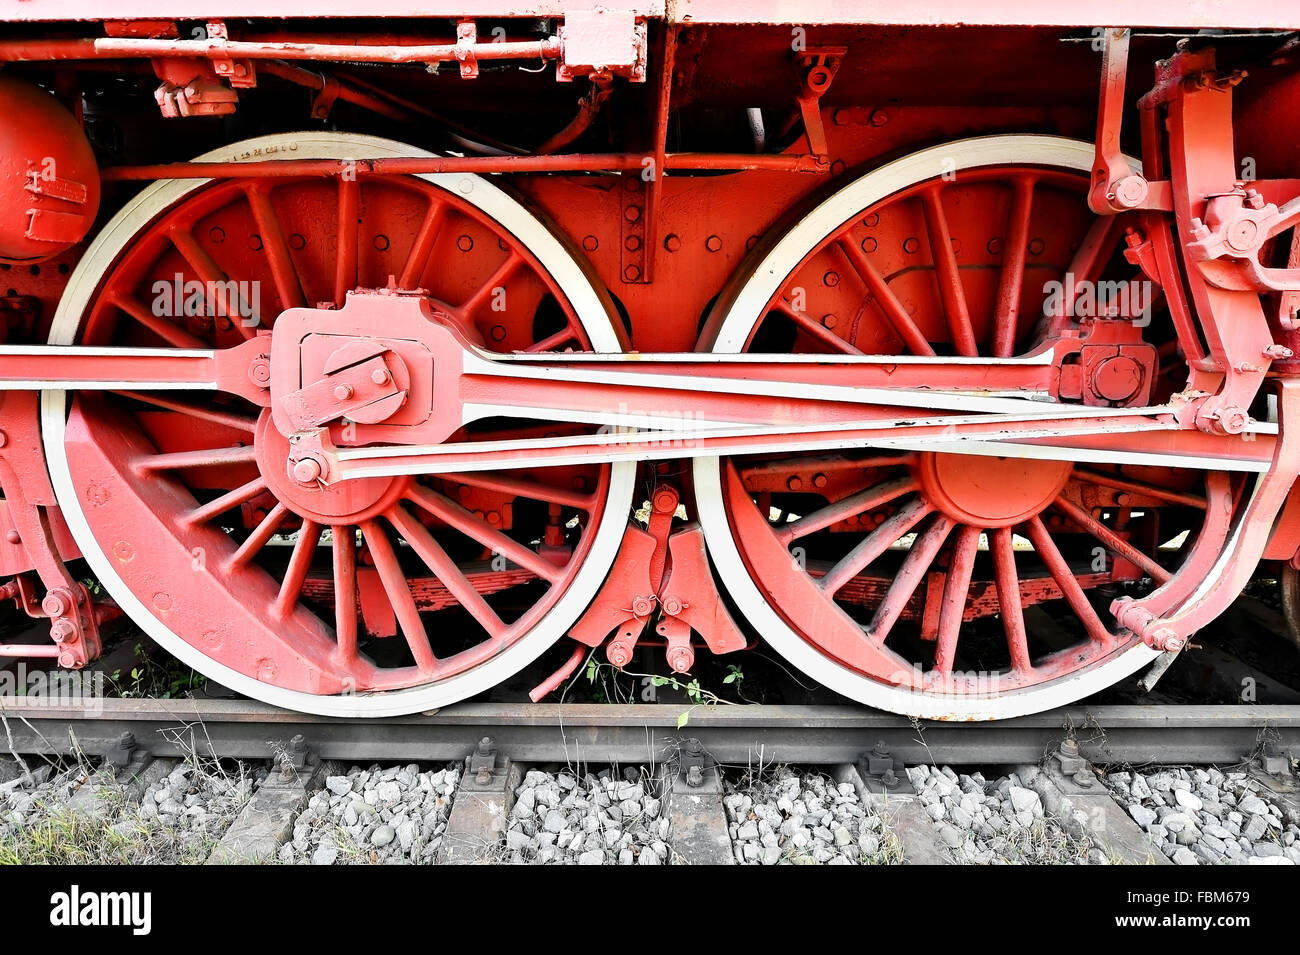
(294, 484)
(989, 491)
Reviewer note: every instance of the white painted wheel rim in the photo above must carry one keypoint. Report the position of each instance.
(743, 312)
(533, 234)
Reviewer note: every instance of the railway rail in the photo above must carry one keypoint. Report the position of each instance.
(604, 733)
(696, 789)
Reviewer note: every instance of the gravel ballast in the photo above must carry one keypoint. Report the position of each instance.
(375, 815)
(1208, 817)
(179, 819)
(564, 818)
(998, 822)
(789, 817)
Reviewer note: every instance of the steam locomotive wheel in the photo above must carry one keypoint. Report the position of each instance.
(373, 597)
(936, 584)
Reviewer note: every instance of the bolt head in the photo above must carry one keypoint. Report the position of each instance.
(1130, 192)
(259, 372)
(665, 500)
(55, 604)
(306, 471)
(62, 630)
(342, 392)
(379, 376)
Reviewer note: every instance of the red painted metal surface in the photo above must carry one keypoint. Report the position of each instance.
(300, 383)
(49, 184)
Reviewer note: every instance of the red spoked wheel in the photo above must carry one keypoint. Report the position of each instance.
(369, 597)
(936, 584)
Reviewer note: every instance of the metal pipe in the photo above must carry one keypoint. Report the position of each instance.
(110, 47)
(21, 650)
(559, 676)
(422, 165)
(588, 109)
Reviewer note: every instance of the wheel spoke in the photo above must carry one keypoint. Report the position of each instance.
(278, 257)
(1008, 587)
(1006, 309)
(399, 595)
(522, 487)
(842, 510)
(1140, 487)
(218, 506)
(893, 309)
(816, 329)
(873, 545)
(227, 419)
(924, 549)
(422, 248)
(487, 290)
(1086, 266)
(956, 588)
(552, 342)
(168, 331)
(256, 540)
(1114, 543)
(304, 549)
(951, 291)
(345, 591)
(204, 458)
(1048, 553)
(215, 277)
(474, 527)
(445, 569)
(345, 262)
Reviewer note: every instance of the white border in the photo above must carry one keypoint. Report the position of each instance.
(733, 332)
(534, 236)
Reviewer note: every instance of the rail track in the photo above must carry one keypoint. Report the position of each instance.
(488, 749)
(605, 733)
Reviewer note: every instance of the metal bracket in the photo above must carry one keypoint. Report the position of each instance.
(466, 38)
(294, 758)
(1074, 765)
(602, 42)
(817, 67)
(881, 771)
(239, 73)
(634, 255)
(1115, 187)
(121, 753)
(696, 770)
(484, 768)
